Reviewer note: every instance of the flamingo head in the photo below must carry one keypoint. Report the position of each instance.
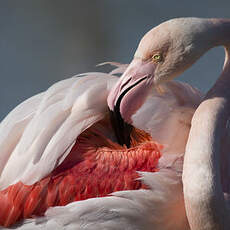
(163, 53)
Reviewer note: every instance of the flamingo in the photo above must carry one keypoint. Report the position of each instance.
(50, 139)
(95, 155)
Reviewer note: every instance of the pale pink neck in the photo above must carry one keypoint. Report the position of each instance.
(204, 200)
(221, 31)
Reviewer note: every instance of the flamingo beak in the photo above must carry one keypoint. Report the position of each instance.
(127, 96)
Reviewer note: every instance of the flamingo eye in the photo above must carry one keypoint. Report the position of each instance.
(156, 58)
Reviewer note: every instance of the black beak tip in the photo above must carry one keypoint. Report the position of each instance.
(121, 129)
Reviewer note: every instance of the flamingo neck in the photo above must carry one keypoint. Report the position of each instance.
(221, 29)
(204, 200)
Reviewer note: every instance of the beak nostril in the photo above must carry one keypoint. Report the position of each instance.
(122, 86)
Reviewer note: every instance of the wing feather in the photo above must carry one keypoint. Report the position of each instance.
(37, 135)
(45, 127)
(160, 206)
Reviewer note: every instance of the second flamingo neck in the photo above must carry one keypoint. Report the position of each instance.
(202, 165)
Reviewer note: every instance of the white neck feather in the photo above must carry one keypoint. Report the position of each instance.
(204, 200)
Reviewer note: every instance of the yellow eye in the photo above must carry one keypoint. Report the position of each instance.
(157, 58)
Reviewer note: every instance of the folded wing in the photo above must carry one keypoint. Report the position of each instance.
(38, 134)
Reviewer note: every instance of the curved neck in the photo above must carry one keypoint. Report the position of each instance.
(203, 195)
(221, 31)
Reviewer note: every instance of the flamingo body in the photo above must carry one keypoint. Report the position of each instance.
(92, 164)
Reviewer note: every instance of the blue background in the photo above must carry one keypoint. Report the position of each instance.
(44, 41)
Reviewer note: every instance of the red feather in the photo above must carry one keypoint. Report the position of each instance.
(95, 167)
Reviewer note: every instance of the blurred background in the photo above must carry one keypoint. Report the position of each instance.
(45, 41)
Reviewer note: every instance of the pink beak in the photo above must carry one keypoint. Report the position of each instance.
(129, 93)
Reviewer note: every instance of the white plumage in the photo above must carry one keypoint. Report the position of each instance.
(38, 134)
(43, 129)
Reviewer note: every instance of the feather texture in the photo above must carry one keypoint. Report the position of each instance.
(139, 209)
(167, 115)
(46, 126)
